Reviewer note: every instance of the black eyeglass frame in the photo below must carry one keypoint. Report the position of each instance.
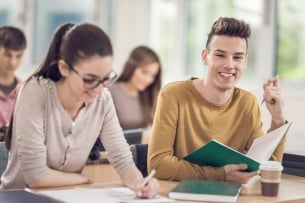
(91, 84)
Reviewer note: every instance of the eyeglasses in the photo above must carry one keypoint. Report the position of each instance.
(90, 83)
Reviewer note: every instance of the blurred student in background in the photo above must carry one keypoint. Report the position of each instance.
(60, 112)
(12, 47)
(135, 94)
(136, 90)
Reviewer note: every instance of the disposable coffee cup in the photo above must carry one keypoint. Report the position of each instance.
(270, 172)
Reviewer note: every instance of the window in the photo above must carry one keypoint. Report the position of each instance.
(291, 40)
(49, 15)
(290, 66)
(180, 31)
(9, 12)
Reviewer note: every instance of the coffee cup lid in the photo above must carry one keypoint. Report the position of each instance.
(271, 165)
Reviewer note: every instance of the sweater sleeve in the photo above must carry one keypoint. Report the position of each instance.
(113, 139)
(161, 153)
(29, 132)
(257, 131)
(279, 151)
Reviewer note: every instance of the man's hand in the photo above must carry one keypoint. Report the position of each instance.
(235, 173)
(274, 100)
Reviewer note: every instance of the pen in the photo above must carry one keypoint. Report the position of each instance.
(148, 178)
(262, 102)
(272, 100)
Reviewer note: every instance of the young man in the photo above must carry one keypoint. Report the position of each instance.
(192, 112)
(12, 46)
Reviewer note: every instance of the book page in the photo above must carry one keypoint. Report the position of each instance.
(264, 146)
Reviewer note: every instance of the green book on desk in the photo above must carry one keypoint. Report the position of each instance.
(198, 190)
(217, 154)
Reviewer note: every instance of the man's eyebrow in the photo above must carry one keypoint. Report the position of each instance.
(219, 50)
(239, 53)
(236, 53)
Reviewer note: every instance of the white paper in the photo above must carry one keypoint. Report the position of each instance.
(109, 195)
(124, 194)
(76, 195)
(264, 146)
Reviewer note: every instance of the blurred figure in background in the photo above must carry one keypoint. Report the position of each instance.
(136, 90)
(12, 47)
(135, 94)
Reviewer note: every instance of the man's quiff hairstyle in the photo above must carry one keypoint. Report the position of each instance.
(229, 27)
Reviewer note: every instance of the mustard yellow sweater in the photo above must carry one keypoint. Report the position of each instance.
(184, 121)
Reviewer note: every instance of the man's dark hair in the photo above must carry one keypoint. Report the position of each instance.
(12, 38)
(229, 27)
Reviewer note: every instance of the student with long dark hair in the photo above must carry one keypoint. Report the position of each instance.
(135, 94)
(60, 112)
(136, 90)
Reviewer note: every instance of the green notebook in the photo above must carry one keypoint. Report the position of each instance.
(198, 190)
(217, 154)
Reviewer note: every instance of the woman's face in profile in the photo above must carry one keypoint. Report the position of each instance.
(144, 76)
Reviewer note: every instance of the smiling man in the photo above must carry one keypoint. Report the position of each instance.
(190, 113)
(12, 46)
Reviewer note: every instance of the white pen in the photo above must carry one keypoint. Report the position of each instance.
(148, 178)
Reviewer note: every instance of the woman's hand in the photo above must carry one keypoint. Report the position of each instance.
(149, 190)
(133, 179)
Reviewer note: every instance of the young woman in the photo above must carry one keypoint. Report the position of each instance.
(60, 112)
(136, 90)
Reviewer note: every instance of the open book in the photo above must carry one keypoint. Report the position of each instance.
(217, 154)
(211, 191)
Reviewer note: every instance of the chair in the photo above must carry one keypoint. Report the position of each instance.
(139, 153)
(3, 157)
(132, 136)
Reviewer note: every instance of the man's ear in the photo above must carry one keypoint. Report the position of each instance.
(63, 68)
(204, 54)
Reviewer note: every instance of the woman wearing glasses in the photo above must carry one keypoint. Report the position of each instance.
(61, 110)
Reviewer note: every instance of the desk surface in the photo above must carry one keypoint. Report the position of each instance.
(292, 188)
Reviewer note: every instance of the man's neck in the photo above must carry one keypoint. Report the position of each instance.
(7, 89)
(7, 80)
(213, 94)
